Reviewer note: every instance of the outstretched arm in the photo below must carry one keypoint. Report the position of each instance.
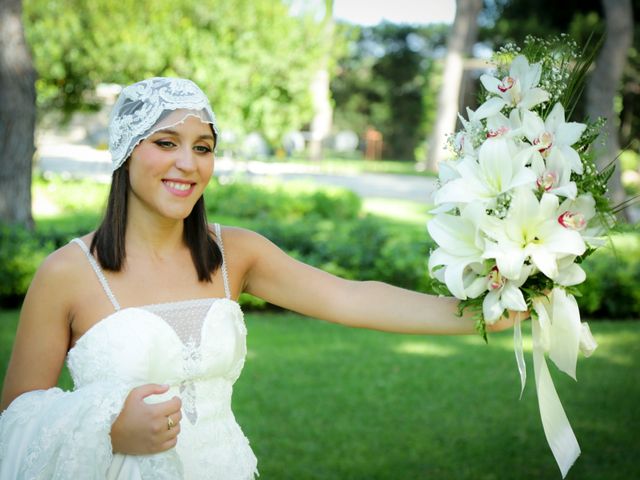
(284, 281)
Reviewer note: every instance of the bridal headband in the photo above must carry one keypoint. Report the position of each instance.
(143, 108)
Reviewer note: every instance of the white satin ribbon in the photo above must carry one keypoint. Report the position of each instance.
(558, 331)
(517, 348)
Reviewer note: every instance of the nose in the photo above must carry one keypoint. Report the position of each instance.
(186, 159)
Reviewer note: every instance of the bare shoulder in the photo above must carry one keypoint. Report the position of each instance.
(243, 240)
(245, 251)
(64, 262)
(62, 270)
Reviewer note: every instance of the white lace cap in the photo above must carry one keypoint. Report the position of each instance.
(142, 107)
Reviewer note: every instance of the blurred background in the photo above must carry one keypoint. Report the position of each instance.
(333, 118)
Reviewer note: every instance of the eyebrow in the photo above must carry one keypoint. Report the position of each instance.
(175, 132)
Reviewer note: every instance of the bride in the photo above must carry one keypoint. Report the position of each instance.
(144, 312)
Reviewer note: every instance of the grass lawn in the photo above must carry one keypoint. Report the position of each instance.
(319, 401)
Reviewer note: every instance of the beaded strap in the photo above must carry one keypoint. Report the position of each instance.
(99, 274)
(225, 277)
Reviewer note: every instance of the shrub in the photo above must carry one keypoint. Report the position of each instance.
(612, 287)
(322, 227)
(277, 202)
(21, 253)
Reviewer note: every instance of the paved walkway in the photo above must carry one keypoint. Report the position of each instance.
(81, 161)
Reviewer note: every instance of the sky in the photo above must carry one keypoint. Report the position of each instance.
(372, 12)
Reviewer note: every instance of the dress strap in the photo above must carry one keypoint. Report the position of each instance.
(225, 276)
(99, 274)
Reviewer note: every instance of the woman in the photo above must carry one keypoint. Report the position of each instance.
(144, 311)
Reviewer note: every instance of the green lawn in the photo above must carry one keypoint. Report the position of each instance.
(319, 401)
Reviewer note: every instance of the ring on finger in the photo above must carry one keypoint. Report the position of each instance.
(170, 423)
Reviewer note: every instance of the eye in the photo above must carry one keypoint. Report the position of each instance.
(203, 149)
(165, 143)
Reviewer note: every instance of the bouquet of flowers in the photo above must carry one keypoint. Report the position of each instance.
(518, 208)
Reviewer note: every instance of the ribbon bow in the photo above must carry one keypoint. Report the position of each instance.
(556, 330)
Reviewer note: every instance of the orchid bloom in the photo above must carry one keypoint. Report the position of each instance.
(464, 140)
(580, 215)
(500, 126)
(569, 273)
(503, 294)
(518, 89)
(499, 169)
(554, 136)
(554, 175)
(530, 233)
(460, 251)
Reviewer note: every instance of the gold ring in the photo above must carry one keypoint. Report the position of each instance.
(170, 423)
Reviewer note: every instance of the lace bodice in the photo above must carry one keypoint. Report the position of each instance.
(197, 347)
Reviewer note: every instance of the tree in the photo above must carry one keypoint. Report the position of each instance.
(605, 82)
(461, 40)
(17, 117)
(320, 93)
(253, 58)
(383, 83)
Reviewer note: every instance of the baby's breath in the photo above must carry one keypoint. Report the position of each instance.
(503, 201)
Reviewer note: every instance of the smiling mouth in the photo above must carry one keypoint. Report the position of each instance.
(178, 185)
(181, 189)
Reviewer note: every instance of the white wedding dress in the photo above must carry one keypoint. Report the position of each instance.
(195, 346)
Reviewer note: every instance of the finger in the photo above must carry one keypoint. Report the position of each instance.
(168, 444)
(167, 407)
(164, 433)
(176, 416)
(143, 391)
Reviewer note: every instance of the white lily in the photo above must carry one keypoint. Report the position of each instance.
(530, 232)
(460, 250)
(554, 136)
(503, 294)
(518, 89)
(499, 169)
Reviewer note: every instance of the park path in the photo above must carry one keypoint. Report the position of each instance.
(82, 161)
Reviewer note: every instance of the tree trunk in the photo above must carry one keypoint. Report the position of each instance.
(604, 82)
(17, 117)
(320, 93)
(463, 35)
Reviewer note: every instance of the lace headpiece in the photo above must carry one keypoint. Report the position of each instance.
(142, 107)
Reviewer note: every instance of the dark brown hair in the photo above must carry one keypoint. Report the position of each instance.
(108, 242)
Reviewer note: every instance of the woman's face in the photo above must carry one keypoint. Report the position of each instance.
(169, 170)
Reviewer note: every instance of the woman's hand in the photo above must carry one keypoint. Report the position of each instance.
(143, 428)
(505, 323)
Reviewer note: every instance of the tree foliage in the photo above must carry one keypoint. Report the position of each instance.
(383, 82)
(252, 58)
